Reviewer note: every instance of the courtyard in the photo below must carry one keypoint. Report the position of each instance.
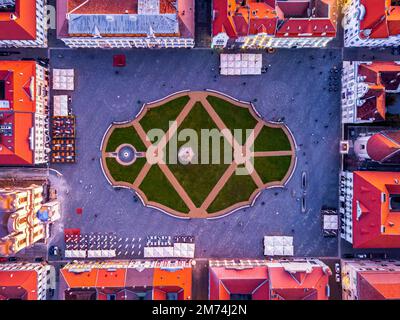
(295, 89)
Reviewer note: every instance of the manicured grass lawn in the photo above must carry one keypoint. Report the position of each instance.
(237, 189)
(124, 135)
(272, 139)
(159, 117)
(198, 179)
(157, 188)
(233, 116)
(272, 168)
(125, 173)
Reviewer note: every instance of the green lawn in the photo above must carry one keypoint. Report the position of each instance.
(233, 116)
(272, 168)
(159, 117)
(198, 179)
(272, 139)
(237, 189)
(125, 173)
(124, 135)
(157, 188)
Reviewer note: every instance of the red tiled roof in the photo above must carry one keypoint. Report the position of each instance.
(374, 213)
(380, 76)
(20, 87)
(24, 26)
(381, 19)
(114, 7)
(160, 280)
(300, 285)
(376, 285)
(268, 282)
(18, 284)
(384, 146)
(224, 282)
(183, 8)
(276, 18)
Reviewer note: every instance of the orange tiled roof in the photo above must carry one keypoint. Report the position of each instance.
(161, 280)
(299, 285)
(371, 213)
(380, 77)
(269, 282)
(23, 24)
(20, 90)
(381, 19)
(18, 284)
(278, 18)
(377, 285)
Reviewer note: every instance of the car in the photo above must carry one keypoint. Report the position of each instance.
(378, 256)
(54, 251)
(337, 277)
(51, 292)
(362, 256)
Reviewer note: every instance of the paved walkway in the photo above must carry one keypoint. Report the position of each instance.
(242, 155)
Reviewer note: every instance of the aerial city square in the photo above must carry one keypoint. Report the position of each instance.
(199, 150)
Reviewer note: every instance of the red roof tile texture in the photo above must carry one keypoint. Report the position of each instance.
(271, 282)
(381, 19)
(375, 223)
(21, 24)
(20, 88)
(161, 281)
(384, 147)
(18, 285)
(378, 285)
(277, 18)
(380, 76)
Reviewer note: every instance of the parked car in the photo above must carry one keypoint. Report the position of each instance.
(54, 251)
(378, 256)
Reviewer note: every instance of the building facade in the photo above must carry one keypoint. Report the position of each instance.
(27, 218)
(369, 207)
(365, 86)
(257, 24)
(26, 281)
(371, 23)
(23, 23)
(24, 114)
(294, 279)
(370, 280)
(126, 280)
(126, 24)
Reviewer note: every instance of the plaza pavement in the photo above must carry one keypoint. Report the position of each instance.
(295, 88)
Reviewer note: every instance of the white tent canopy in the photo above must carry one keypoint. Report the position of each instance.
(240, 64)
(63, 79)
(278, 246)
